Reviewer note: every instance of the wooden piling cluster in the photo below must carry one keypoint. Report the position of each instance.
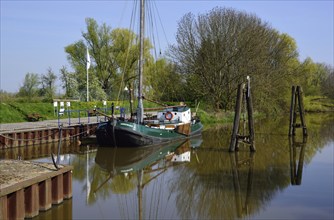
(243, 95)
(33, 188)
(237, 164)
(296, 171)
(18, 138)
(297, 99)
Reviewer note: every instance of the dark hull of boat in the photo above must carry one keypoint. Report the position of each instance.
(128, 134)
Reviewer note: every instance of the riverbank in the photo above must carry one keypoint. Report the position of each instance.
(318, 104)
(13, 112)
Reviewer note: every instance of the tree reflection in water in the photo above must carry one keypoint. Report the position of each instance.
(230, 186)
(215, 184)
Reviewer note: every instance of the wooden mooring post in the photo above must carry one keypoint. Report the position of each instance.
(243, 94)
(297, 170)
(237, 170)
(297, 98)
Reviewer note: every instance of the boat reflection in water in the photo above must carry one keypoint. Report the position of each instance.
(126, 160)
(141, 165)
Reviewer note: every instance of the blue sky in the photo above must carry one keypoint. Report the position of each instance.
(34, 33)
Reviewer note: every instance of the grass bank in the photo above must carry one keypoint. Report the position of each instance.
(11, 111)
(318, 104)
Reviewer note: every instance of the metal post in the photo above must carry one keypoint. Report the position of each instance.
(87, 87)
(87, 67)
(59, 144)
(69, 117)
(58, 120)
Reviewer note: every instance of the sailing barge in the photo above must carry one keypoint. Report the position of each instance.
(173, 123)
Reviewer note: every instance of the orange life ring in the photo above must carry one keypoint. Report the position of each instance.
(169, 116)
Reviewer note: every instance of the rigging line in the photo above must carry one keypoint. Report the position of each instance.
(163, 29)
(131, 28)
(152, 198)
(123, 13)
(153, 193)
(99, 205)
(126, 207)
(156, 26)
(129, 204)
(142, 207)
(120, 207)
(159, 194)
(151, 30)
(166, 205)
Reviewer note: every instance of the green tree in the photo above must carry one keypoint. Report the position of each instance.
(114, 56)
(30, 86)
(126, 55)
(312, 76)
(163, 82)
(327, 83)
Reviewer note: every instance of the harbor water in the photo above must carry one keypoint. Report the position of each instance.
(286, 178)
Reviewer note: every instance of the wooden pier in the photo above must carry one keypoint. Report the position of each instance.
(34, 133)
(26, 187)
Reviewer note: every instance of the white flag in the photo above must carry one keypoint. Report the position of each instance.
(88, 60)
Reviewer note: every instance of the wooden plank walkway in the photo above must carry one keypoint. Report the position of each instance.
(29, 187)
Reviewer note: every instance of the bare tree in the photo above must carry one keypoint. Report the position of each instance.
(217, 50)
(70, 83)
(48, 81)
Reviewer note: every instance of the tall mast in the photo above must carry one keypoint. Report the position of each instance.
(140, 109)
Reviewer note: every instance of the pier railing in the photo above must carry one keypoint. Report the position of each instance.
(86, 115)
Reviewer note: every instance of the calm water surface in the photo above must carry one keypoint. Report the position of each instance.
(199, 179)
